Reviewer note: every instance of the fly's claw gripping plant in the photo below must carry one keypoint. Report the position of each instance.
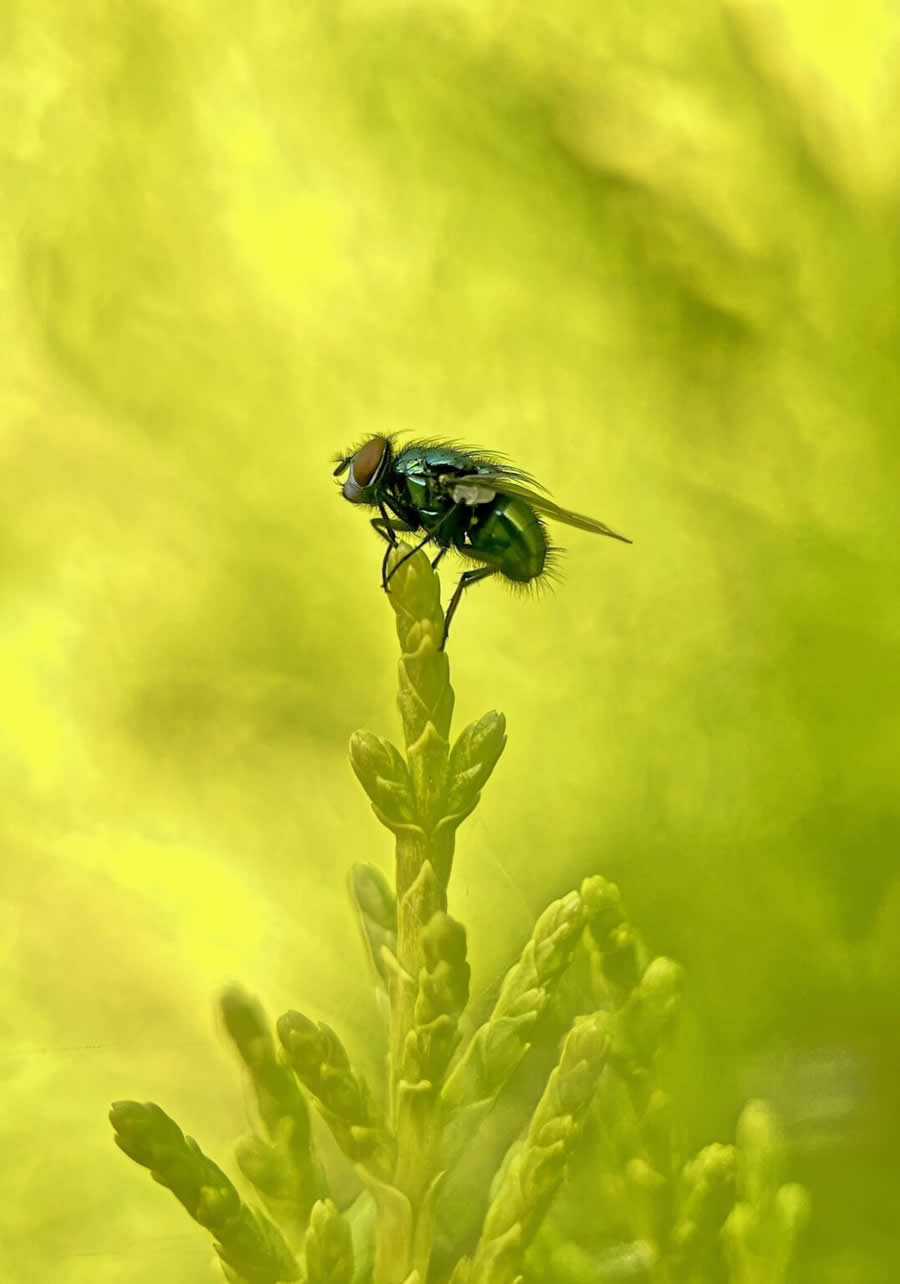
(602, 1109)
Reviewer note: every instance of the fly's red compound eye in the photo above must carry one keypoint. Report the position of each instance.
(367, 460)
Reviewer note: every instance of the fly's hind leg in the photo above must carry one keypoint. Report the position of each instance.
(466, 580)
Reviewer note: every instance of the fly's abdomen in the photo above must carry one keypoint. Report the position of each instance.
(508, 534)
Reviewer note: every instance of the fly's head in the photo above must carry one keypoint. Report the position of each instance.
(366, 468)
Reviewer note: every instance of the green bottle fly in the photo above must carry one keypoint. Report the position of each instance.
(470, 501)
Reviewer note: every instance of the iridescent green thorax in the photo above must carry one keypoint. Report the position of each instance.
(420, 472)
(414, 458)
(417, 458)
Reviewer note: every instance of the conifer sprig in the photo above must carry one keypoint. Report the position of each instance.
(376, 906)
(644, 1000)
(320, 1061)
(442, 996)
(439, 1088)
(762, 1229)
(246, 1241)
(423, 797)
(423, 801)
(382, 771)
(535, 1168)
(328, 1247)
(707, 1194)
(282, 1165)
(500, 1043)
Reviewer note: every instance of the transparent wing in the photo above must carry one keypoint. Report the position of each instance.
(505, 484)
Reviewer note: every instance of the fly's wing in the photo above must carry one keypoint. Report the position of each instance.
(504, 484)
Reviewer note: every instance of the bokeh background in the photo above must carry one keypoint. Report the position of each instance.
(651, 252)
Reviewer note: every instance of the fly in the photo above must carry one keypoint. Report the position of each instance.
(469, 500)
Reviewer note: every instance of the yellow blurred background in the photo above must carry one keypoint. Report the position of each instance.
(651, 252)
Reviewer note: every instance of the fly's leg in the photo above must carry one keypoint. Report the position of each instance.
(388, 531)
(468, 578)
(387, 527)
(421, 544)
(404, 558)
(435, 560)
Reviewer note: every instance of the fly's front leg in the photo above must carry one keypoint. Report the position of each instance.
(388, 530)
(433, 534)
(405, 557)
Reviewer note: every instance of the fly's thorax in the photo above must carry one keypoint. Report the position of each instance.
(416, 490)
(423, 500)
(436, 459)
(427, 473)
(508, 534)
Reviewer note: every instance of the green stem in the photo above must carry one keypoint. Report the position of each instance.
(424, 858)
(422, 797)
